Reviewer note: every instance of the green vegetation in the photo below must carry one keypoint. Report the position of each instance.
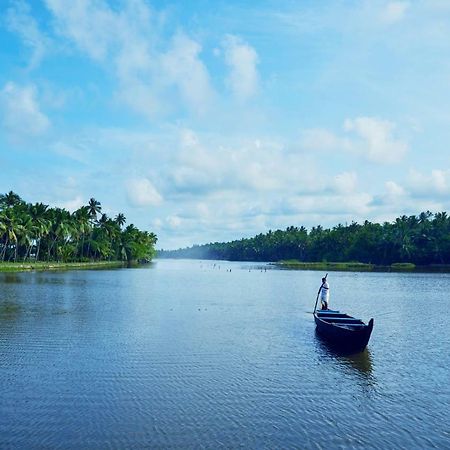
(54, 265)
(403, 266)
(35, 236)
(324, 266)
(422, 240)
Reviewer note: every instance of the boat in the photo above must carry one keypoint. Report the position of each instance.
(343, 331)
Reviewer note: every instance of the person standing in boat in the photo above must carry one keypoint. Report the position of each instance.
(324, 293)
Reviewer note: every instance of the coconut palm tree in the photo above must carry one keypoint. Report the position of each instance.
(94, 208)
(3, 235)
(83, 226)
(60, 231)
(28, 230)
(40, 224)
(10, 199)
(13, 228)
(120, 220)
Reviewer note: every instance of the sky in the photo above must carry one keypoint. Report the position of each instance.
(211, 121)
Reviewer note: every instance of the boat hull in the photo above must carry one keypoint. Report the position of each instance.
(347, 333)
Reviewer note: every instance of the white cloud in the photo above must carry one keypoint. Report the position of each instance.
(393, 190)
(370, 137)
(376, 140)
(394, 11)
(319, 139)
(219, 187)
(398, 199)
(437, 183)
(72, 204)
(76, 153)
(93, 26)
(184, 69)
(22, 116)
(141, 192)
(242, 59)
(19, 20)
(394, 198)
(126, 41)
(346, 182)
(217, 163)
(120, 40)
(341, 205)
(174, 221)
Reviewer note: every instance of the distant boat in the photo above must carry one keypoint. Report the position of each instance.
(343, 331)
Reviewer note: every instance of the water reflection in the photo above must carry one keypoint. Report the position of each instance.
(9, 310)
(11, 278)
(360, 363)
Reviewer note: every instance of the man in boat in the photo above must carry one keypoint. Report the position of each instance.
(324, 293)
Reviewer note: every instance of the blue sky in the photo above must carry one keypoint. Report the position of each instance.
(210, 121)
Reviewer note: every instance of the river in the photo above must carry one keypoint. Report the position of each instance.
(214, 354)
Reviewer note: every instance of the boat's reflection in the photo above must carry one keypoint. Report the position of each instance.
(361, 362)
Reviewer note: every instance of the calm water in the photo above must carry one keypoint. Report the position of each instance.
(184, 354)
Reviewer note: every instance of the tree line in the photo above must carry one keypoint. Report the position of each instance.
(423, 239)
(37, 232)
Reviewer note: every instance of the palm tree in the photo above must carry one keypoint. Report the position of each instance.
(3, 229)
(440, 235)
(82, 225)
(33, 229)
(137, 245)
(102, 238)
(10, 199)
(424, 217)
(103, 219)
(25, 237)
(12, 229)
(40, 223)
(61, 230)
(120, 220)
(94, 208)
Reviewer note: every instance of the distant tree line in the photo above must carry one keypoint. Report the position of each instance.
(37, 232)
(422, 240)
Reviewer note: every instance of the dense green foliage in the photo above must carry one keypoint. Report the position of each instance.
(422, 239)
(36, 232)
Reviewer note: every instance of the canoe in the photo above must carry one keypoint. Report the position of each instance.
(342, 330)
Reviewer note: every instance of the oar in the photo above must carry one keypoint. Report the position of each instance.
(317, 299)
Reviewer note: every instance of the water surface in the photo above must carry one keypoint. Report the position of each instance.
(189, 354)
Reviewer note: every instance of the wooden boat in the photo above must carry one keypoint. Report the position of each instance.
(342, 330)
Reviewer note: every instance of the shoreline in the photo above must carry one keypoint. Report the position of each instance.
(362, 267)
(351, 266)
(43, 266)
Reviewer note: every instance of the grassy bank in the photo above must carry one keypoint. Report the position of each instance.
(52, 265)
(361, 267)
(324, 266)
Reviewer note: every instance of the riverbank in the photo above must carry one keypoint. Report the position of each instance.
(53, 265)
(360, 267)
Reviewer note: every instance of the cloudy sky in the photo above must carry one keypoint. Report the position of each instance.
(210, 121)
